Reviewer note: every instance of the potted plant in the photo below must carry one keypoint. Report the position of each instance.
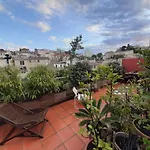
(142, 122)
(97, 143)
(124, 141)
(146, 144)
(94, 121)
(93, 116)
(142, 126)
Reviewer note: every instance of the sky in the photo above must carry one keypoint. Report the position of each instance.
(50, 24)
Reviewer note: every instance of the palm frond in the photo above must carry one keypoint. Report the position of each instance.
(84, 122)
(81, 115)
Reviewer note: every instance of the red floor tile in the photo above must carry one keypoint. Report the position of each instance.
(53, 117)
(71, 102)
(36, 147)
(30, 142)
(65, 134)
(60, 124)
(74, 143)
(48, 130)
(61, 147)
(16, 143)
(71, 110)
(2, 148)
(52, 142)
(65, 105)
(70, 120)
(64, 114)
(83, 139)
(58, 108)
(75, 126)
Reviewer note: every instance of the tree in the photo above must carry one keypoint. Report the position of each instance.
(78, 73)
(60, 54)
(117, 68)
(76, 44)
(94, 56)
(145, 75)
(99, 56)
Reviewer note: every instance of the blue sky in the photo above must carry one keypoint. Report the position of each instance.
(51, 24)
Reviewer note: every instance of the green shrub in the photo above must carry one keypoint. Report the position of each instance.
(11, 85)
(117, 68)
(78, 73)
(40, 81)
(62, 76)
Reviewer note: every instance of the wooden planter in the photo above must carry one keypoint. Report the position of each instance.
(60, 97)
(47, 100)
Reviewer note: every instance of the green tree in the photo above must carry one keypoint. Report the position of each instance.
(145, 75)
(11, 85)
(117, 68)
(78, 73)
(94, 56)
(60, 51)
(40, 81)
(76, 44)
(100, 56)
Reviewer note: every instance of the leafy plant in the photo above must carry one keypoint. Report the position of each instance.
(147, 143)
(11, 85)
(116, 67)
(77, 73)
(40, 81)
(145, 74)
(97, 141)
(62, 77)
(92, 115)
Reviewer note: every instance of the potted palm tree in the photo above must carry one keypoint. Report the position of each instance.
(94, 121)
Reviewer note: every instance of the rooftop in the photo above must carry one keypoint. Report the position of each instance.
(60, 133)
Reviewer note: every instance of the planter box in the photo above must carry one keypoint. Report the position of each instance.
(47, 100)
(59, 97)
(69, 94)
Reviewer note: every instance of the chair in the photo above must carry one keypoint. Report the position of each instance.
(79, 95)
(23, 119)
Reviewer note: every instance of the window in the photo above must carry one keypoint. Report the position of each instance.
(23, 69)
(21, 62)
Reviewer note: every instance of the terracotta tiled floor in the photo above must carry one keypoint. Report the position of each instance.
(60, 133)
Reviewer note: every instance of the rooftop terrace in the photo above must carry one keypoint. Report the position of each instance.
(60, 133)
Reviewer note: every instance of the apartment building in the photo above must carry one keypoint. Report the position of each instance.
(26, 63)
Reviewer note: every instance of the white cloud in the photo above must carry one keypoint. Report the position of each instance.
(93, 28)
(29, 41)
(43, 26)
(48, 8)
(52, 38)
(12, 46)
(2, 8)
(67, 41)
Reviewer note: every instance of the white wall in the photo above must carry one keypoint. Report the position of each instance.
(31, 64)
